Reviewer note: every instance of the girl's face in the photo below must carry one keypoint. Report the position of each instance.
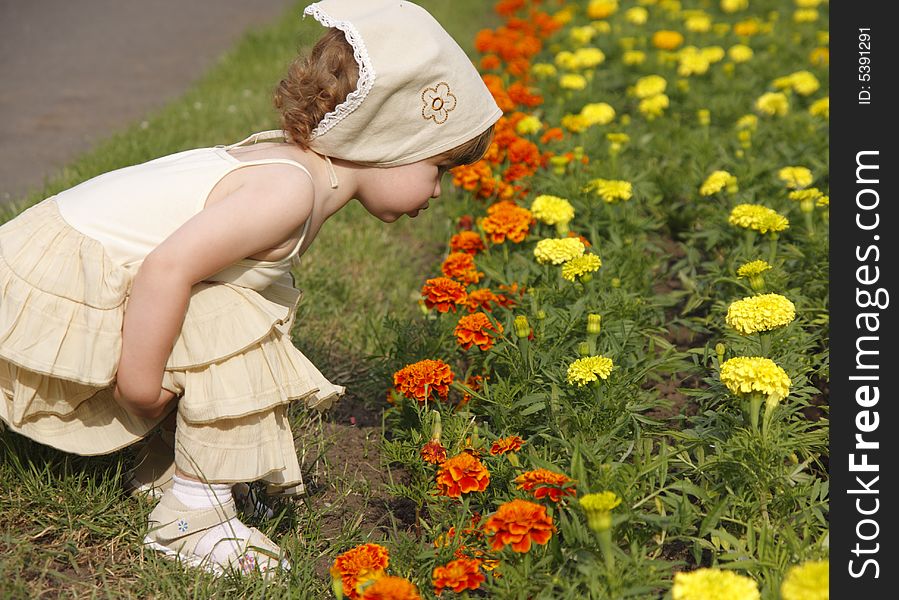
(392, 192)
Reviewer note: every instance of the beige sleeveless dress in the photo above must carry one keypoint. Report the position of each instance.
(66, 266)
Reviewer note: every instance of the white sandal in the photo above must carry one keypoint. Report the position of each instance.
(176, 529)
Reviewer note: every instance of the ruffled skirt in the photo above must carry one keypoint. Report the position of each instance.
(62, 303)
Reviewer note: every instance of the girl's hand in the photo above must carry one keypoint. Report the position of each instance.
(152, 410)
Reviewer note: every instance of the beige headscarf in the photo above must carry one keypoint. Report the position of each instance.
(418, 93)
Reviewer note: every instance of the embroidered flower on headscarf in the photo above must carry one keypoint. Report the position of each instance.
(437, 102)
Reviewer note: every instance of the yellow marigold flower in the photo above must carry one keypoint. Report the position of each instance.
(704, 116)
(636, 15)
(597, 113)
(581, 35)
(807, 3)
(627, 42)
(611, 190)
(801, 82)
(711, 584)
(805, 15)
(819, 57)
(806, 195)
(529, 124)
(732, 6)
(739, 53)
(633, 57)
(601, 26)
(808, 581)
(712, 54)
(698, 23)
(565, 60)
(559, 250)
(760, 313)
(600, 9)
(543, 70)
(820, 108)
(650, 86)
(691, 61)
(753, 268)
(587, 58)
(667, 40)
(589, 369)
(823, 202)
(573, 82)
(574, 123)
(795, 177)
(552, 209)
(599, 508)
(654, 106)
(758, 218)
(773, 103)
(748, 374)
(748, 122)
(579, 266)
(718, 181)
(747, 28)
(618, 138)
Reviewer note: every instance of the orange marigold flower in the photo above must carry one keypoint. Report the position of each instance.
(518, 523)
(460, 266)
(543, 482)
(481, 300)
(521, 94)
(458, 575)
(466, 241)
(473, 382)
(391, 588)
(474, 329)
(471, 177)
(461, 474)
(433, 452)
(419, 381)
(443, 294)
(667, 40)
(552, 134)
(583, 240)
(498, 91)
(507, 8)
(511, 443)
(506, 219)
(358, 566)
(465, 223)
(490, 62)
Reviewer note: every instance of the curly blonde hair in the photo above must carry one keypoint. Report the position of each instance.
(316, 84)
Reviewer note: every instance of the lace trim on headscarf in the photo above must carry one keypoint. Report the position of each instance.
(366, 71)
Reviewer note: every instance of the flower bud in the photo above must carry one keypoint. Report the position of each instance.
(437, 427)
(586, 278)
(704, 116)
(584, 349)
(540, 314)
(616, 283)
(594, 324)
(522, 327)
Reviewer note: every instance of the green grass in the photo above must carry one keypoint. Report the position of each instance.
(66, 528)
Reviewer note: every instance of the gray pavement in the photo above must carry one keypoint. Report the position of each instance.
(74, 71)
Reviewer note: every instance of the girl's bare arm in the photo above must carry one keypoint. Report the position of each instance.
(255, 217)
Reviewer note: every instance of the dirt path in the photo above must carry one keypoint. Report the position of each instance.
(71, 73)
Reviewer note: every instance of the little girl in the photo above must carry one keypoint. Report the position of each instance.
(162, 293)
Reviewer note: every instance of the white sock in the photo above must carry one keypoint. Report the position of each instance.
(224, 539)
